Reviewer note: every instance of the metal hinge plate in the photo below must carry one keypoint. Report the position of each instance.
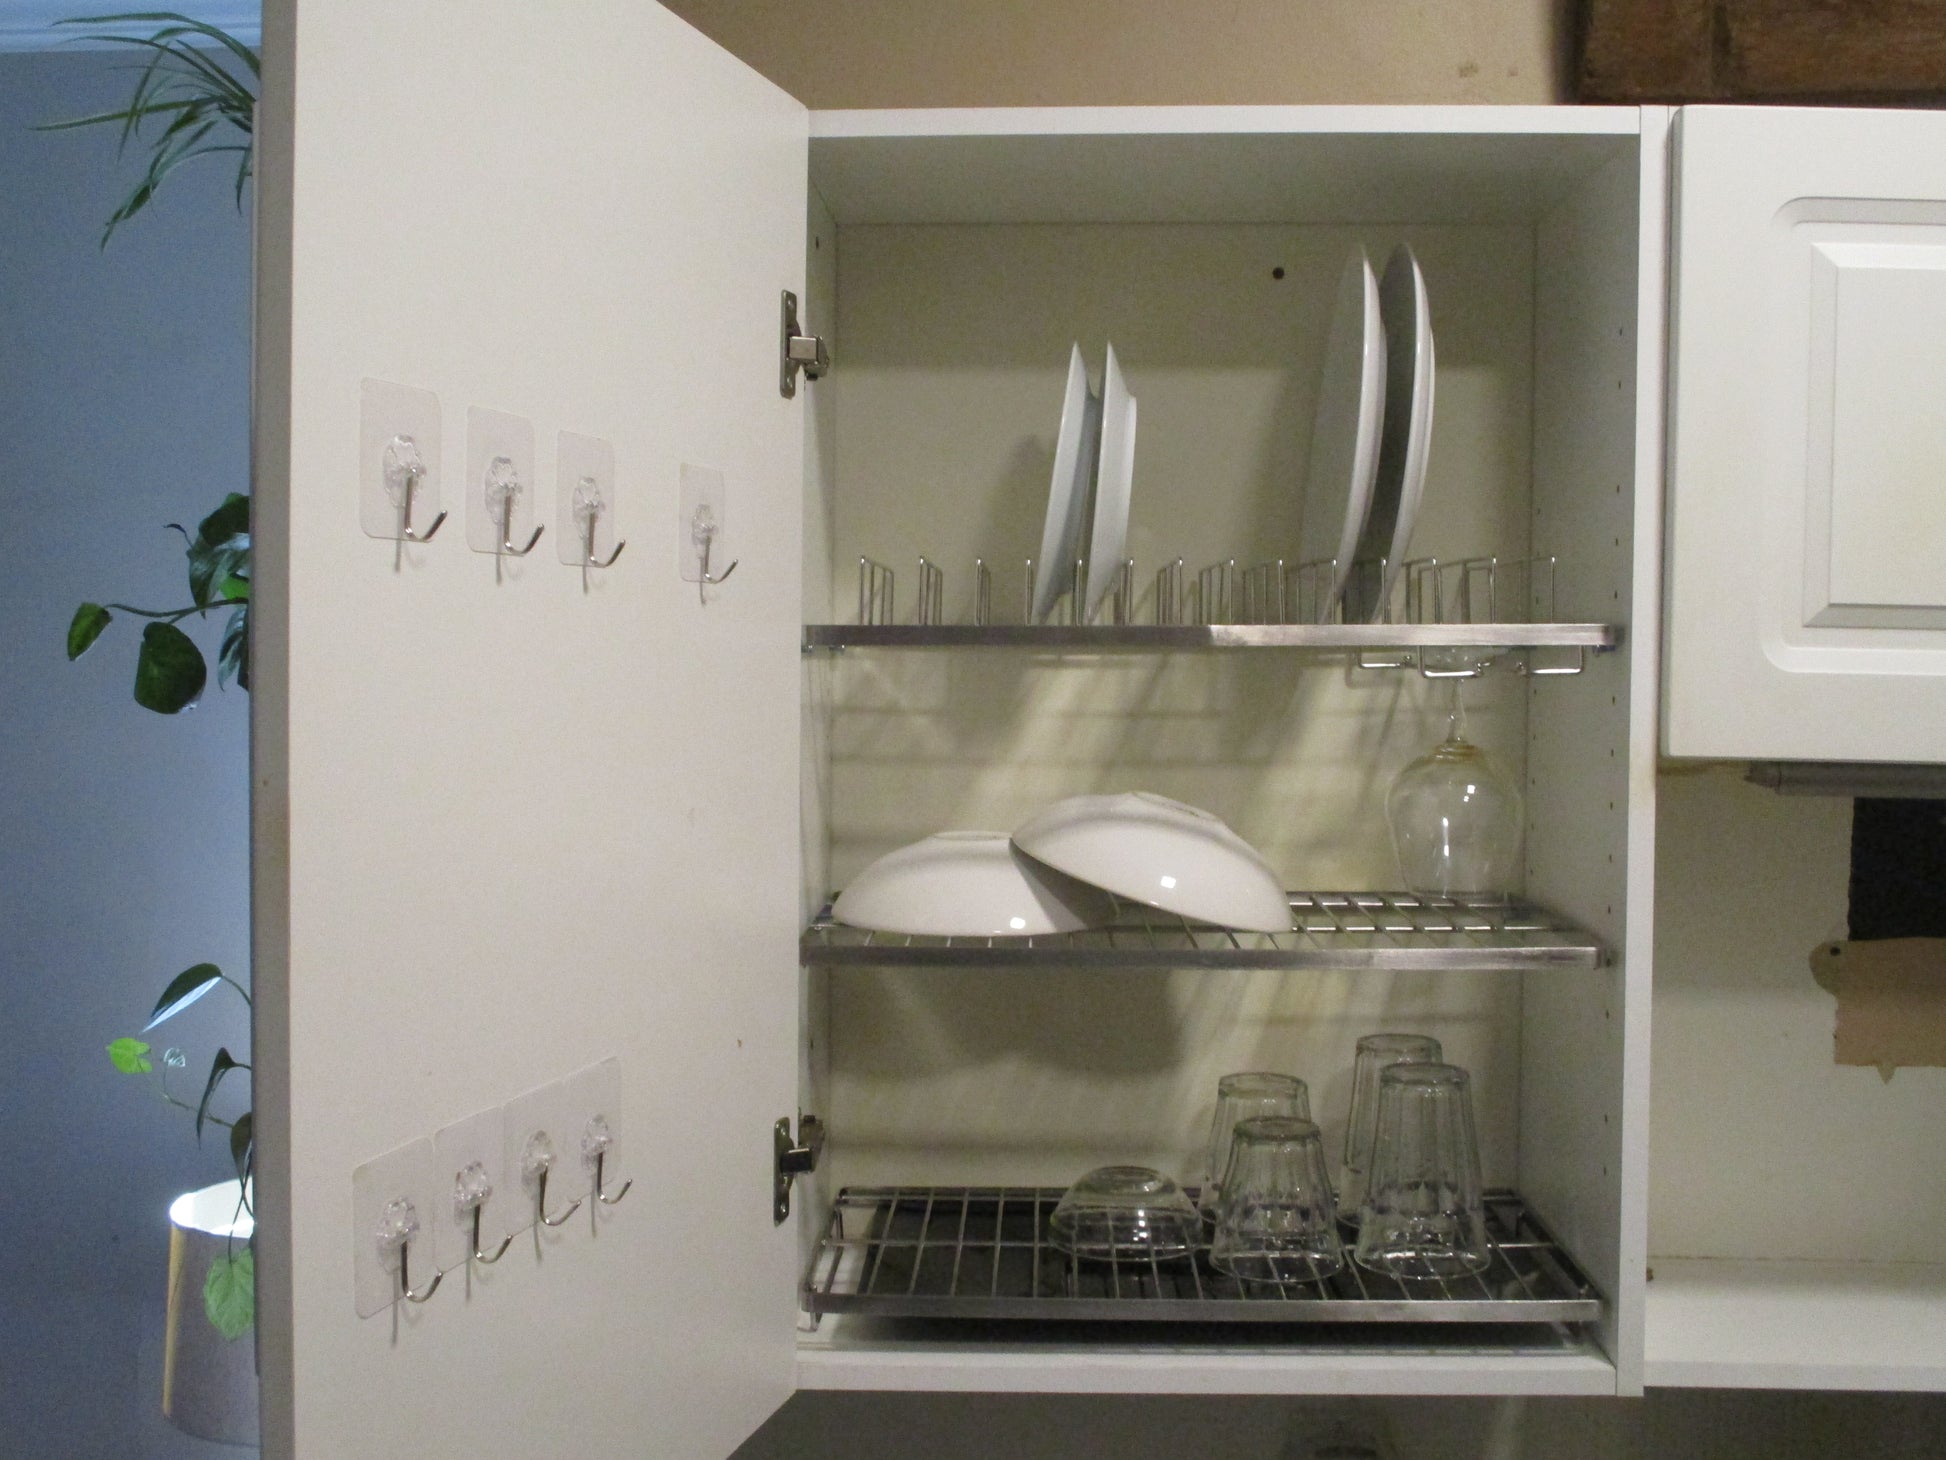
(794, 1158)
(800, 350)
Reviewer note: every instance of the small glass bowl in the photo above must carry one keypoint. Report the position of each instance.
(1125, 1214)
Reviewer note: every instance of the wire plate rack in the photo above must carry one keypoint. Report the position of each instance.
(983, 1253)
(1450, 618)
(1334, 930)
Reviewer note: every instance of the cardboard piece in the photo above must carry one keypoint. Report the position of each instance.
(1891, 1000)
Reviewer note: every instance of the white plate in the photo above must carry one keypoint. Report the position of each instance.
(1345, 430)
(1160, 853)
(1108, 544)
(971, 884)
(1067, 492)
(1401, 480)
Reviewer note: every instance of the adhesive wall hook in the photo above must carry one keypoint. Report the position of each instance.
(398, 1224)
(405, 513)
(702, 531)
(405, 470)
(536, 1161)
(596, 1140)
(471, 1189)
(503, 489)
(588, 507)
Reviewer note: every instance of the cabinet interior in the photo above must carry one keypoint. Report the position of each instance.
(950, 274)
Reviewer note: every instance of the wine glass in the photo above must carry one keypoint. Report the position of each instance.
(1456, 820)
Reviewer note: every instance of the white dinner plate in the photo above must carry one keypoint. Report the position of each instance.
(1108, 544)
(1345, 431)
(1075, 450)
(1401, 480)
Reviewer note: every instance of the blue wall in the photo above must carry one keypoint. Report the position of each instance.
(124, 851)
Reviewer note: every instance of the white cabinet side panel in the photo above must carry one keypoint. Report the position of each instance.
(1806, 615)
(1591, 748)
(591, 792)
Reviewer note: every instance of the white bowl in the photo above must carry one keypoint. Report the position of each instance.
(1149, 849)
(972, 884)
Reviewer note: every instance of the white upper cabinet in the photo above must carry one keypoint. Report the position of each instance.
(511, 819)
(1807, 523)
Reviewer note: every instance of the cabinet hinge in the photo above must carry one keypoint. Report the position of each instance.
(793, 1159)
(801, 351)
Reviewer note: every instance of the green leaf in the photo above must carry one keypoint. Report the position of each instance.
(130, 1056)
(230, 1294)
(89, 620)
(185, 85)
(184, 989)
(218, 1068)
(243, 1151)
(230, 520)
(169, 672)
(234, 657)
(210, 566)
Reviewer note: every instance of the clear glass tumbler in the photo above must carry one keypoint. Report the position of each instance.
(1241, 1097)
(1423, 1216)
(1376, 1053)
(1277, 1222)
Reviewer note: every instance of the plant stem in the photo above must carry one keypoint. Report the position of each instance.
(169, 1099)
(173, 614)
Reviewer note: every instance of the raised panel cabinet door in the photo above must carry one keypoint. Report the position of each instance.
(1807, 490)
(514, 818)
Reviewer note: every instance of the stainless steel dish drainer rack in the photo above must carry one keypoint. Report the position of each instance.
(984, 1253)
(1446, 618)
(1396, 931)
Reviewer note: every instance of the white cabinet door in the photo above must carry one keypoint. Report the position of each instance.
(508, 825)
(1807, 526)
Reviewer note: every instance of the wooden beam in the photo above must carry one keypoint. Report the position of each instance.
(1777, 50)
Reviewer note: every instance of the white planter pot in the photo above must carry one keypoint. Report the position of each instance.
(209, 1382)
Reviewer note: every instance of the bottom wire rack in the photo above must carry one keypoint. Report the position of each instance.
(984, 1253)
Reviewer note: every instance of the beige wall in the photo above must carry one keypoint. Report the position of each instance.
(903, 53)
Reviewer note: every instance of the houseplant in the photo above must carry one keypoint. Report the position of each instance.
(193, 97)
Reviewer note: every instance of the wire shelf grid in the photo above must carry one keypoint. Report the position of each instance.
(985, 1253)
(1329, 930)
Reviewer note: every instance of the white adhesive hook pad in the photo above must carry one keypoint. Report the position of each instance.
(702, 509)
(584, 479)
(499, 471)
(398, 428)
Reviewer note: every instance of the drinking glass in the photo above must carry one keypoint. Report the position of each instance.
(1240, 1097)
(1455, 820)
(1423, 1216)
(1376, 1053)
(1277, 1221)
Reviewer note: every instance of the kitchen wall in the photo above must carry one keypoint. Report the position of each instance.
(123, 407)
